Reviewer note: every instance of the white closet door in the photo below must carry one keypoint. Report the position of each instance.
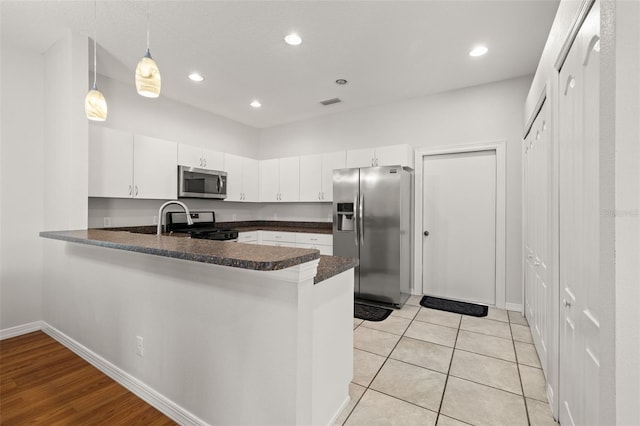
(579, 227)
(539, 302)
(459, 212)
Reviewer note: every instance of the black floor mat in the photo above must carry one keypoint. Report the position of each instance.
(370, 313)
(454, 306)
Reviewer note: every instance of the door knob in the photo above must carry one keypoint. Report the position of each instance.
(426, 233)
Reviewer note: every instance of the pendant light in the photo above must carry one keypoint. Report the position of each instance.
(147, 73)
(95, 106)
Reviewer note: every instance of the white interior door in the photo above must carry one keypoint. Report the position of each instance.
(459, 214)
(580, 311)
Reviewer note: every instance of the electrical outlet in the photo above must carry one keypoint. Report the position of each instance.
(330, 217)
(275, 216)
(234, 217)
(155, 220)
(139, 346)
(107, 222)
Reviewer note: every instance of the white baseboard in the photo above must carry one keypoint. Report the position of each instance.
(513, 307)
(342, 407)
(149, 395)
(19, 330)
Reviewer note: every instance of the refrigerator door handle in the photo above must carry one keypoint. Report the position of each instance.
(361, 217)
(357, 221)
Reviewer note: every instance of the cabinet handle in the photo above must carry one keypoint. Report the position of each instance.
(322, 195)
(130, 189)
(372, 162)
(319, 197)
(204, 161)
(136, 191)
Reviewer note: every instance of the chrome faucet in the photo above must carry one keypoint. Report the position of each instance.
(168, 203)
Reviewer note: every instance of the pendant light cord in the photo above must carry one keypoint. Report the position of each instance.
(95, 35)
(148, 22)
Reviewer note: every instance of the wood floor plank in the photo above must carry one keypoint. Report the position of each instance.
(42, 382)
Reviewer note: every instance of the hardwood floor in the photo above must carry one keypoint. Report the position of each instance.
(42, 382)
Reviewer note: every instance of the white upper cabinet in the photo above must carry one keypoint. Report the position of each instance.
(280, 179)
(194, 156)
(290, 179)
(393, 155)
(311, 177)
(122, 165)
(250, 179)
(242, 178)
(316, 175)
(155, 174)
(330, 162)
(110, 163)
(361, 157)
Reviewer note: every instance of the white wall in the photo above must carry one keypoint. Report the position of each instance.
(21, 187)
(627, 212)
(481, 113)
(172, 120)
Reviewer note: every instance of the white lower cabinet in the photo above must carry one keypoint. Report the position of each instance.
(281, 239)
(250, 237)
(321, 242)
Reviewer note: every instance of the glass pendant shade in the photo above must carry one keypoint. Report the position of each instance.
(148, 80)
(95, 106)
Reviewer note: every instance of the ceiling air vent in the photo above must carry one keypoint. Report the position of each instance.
(330, 101)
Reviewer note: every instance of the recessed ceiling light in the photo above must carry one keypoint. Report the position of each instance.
(341, 81)
(255, 104)
(478, 51)
(293, 39)
(194, 76)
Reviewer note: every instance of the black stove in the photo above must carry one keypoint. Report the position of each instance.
(203, 228)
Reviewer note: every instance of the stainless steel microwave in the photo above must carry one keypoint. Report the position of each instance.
(201, 183)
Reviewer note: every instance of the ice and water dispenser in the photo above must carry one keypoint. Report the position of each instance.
(345, 217)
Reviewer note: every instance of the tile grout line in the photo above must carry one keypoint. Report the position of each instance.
(380, 369)
(524, 397)
(446, 380)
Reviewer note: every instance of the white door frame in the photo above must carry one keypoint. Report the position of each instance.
(499, 147)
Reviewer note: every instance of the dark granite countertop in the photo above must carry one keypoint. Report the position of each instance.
(333, 265)
(250, 225)
(237, 255)
(279, 225)
(246, 256)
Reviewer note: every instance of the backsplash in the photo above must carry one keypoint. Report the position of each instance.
(128, 212)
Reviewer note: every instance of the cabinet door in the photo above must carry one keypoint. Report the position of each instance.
(360, 157)
(189, 155)
(212, 160)
(310, 177)
(290, 179)
(395, 155)
(269, 180)
(233, 166)
(155, 171)
(250, 178)
(110, 162)
(330, 162)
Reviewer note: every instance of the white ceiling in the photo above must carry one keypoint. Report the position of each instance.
(387, 50)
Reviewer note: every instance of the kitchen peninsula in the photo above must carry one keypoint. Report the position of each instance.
(232, 333)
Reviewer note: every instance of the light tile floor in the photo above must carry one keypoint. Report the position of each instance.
(424, 367)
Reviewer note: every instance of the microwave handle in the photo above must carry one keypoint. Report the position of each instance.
(220, 184)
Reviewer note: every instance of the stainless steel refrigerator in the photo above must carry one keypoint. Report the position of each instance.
(372, 221)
